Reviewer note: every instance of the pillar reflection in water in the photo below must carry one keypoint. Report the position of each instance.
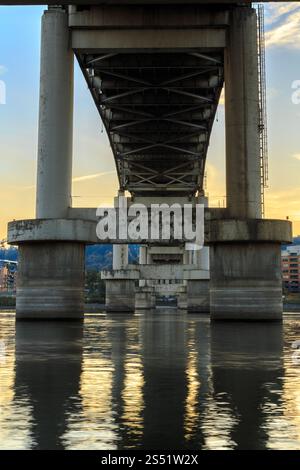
(162, 380)
(47, 374)
(128, 380)
(174, 372)
(246, 364)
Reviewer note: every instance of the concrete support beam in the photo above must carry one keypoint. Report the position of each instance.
(175, 272)
(243, 177)
(140, 16)
(133, 40)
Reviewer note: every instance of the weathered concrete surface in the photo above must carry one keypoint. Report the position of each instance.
(158, 16)
(156, 272)
(50, 281)
(120, 296)
(182, 298)
(243, 176)
(251, 230)
(84, 230)
(30, 230)
(145, 298)
(54, 170)
(129, 2)
(132, 40)
(198, 296)
(246, 281)
(38, 230)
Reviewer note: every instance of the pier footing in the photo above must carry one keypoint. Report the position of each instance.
(50, 281)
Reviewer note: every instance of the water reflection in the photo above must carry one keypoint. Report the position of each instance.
(47, 374)
(158, 380)
(246, 362)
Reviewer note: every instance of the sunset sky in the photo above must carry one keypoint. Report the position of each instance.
(95, 180)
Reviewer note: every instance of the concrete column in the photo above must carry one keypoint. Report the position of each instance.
(142, 260)
(120, 293)
(198, 299)
(245, 272)
(54, 171)
(145, 295)
(143, 254)
(243, 177)
(51, 274)
(198, 290)
(246, 281)
(50, 281)
(120, 256)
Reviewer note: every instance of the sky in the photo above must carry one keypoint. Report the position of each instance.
(94, 175)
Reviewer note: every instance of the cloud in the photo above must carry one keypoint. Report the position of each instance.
(283, 203)
(3, 69)
(91, 177)
(222, 97)
(283, 24)
(297, 156)
(77, 179)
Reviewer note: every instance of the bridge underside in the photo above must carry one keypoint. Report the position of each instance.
(156, 73)
(158, 110)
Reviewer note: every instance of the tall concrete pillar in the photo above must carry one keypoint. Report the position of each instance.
(245, 250)
(51, 274)
(243, 177)
(54, 169)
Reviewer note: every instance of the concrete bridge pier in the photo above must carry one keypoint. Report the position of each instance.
(120, 288)
(245, 249)
(51, 274)
(198, 295)
(145, 298)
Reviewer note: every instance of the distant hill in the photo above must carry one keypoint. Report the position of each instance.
(296, 241)
(97, 256)
(10, 253)
(100, 256)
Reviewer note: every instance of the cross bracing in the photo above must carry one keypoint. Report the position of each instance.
(158, 109)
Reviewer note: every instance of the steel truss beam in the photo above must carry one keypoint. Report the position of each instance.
(157, 114)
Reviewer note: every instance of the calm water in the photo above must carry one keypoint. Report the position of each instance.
(154, 381)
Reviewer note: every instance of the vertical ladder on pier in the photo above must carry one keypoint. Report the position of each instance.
(263, 133)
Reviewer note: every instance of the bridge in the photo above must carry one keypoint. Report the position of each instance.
(155, 71)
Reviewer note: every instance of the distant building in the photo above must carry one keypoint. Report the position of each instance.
(3, 278)
(290, 265)
(8, 279)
